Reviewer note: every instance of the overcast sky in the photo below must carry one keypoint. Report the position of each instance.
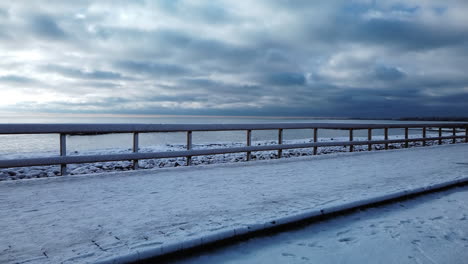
(358, 58)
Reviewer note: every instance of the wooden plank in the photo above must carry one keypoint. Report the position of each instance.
(93, 129)
(189, 147)
(424, 136)
(118, 128)
(454, 133)
(369, 138)
(10, 163)
(386, 137)
(315, 140)
(406, 137)
(249, 143)
(280, 142)
(136, 139)
(63, 153)
(466, 134)
(440, 135)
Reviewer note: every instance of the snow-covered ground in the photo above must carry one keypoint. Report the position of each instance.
(75, 169)
(91, 218)
(428, 229)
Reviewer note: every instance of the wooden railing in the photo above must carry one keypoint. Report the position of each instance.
(136, 129)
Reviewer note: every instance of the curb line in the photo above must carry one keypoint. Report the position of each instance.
(248, 231)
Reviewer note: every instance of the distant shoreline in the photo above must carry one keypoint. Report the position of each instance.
(460, 119)
(109, 115)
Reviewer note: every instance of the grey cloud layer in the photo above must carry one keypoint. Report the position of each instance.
(333, 58)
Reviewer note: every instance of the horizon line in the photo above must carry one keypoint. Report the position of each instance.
(111, 115)
(45, 114)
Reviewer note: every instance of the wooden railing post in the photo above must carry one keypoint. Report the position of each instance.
(440, 135)
(369, 138)
(189, 147)
(63, 130)
(466, 134)
(454, 133)
(136, 139)
(386, 136)
(315, 140)
(424, 136)
(280, 141)
(63, 153)
(249, 143)
(406, 137)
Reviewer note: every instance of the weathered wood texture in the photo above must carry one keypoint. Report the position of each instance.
(136, 129)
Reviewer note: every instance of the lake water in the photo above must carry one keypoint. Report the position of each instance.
(48, 143)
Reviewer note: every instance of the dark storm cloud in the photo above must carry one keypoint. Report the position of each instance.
(406, 34)
(385, 73)
(81, 74)
(285, 78)
(459, 99)
(162, 45)
(206, 49)
(333, 58)
(209, 88)
(3, 13)
(15, 79)
(403, 29)
(209, 11)
(152, 68)
(45, 27)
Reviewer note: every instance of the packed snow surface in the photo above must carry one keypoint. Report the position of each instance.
(88, 218)
(428, 229)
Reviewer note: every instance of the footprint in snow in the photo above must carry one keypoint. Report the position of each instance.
(347, 239)
(343, 232)
(314, 244)
(287, 255)
(448, 237)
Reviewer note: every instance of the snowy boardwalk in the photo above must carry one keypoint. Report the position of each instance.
(86, 219)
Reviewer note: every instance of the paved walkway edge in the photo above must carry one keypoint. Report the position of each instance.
(251, 230)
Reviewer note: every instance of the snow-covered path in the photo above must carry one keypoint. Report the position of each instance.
(84, 219)
(429, 229)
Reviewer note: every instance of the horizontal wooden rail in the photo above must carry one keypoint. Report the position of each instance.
(136, 129)
(92, 129)
(63, 160)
